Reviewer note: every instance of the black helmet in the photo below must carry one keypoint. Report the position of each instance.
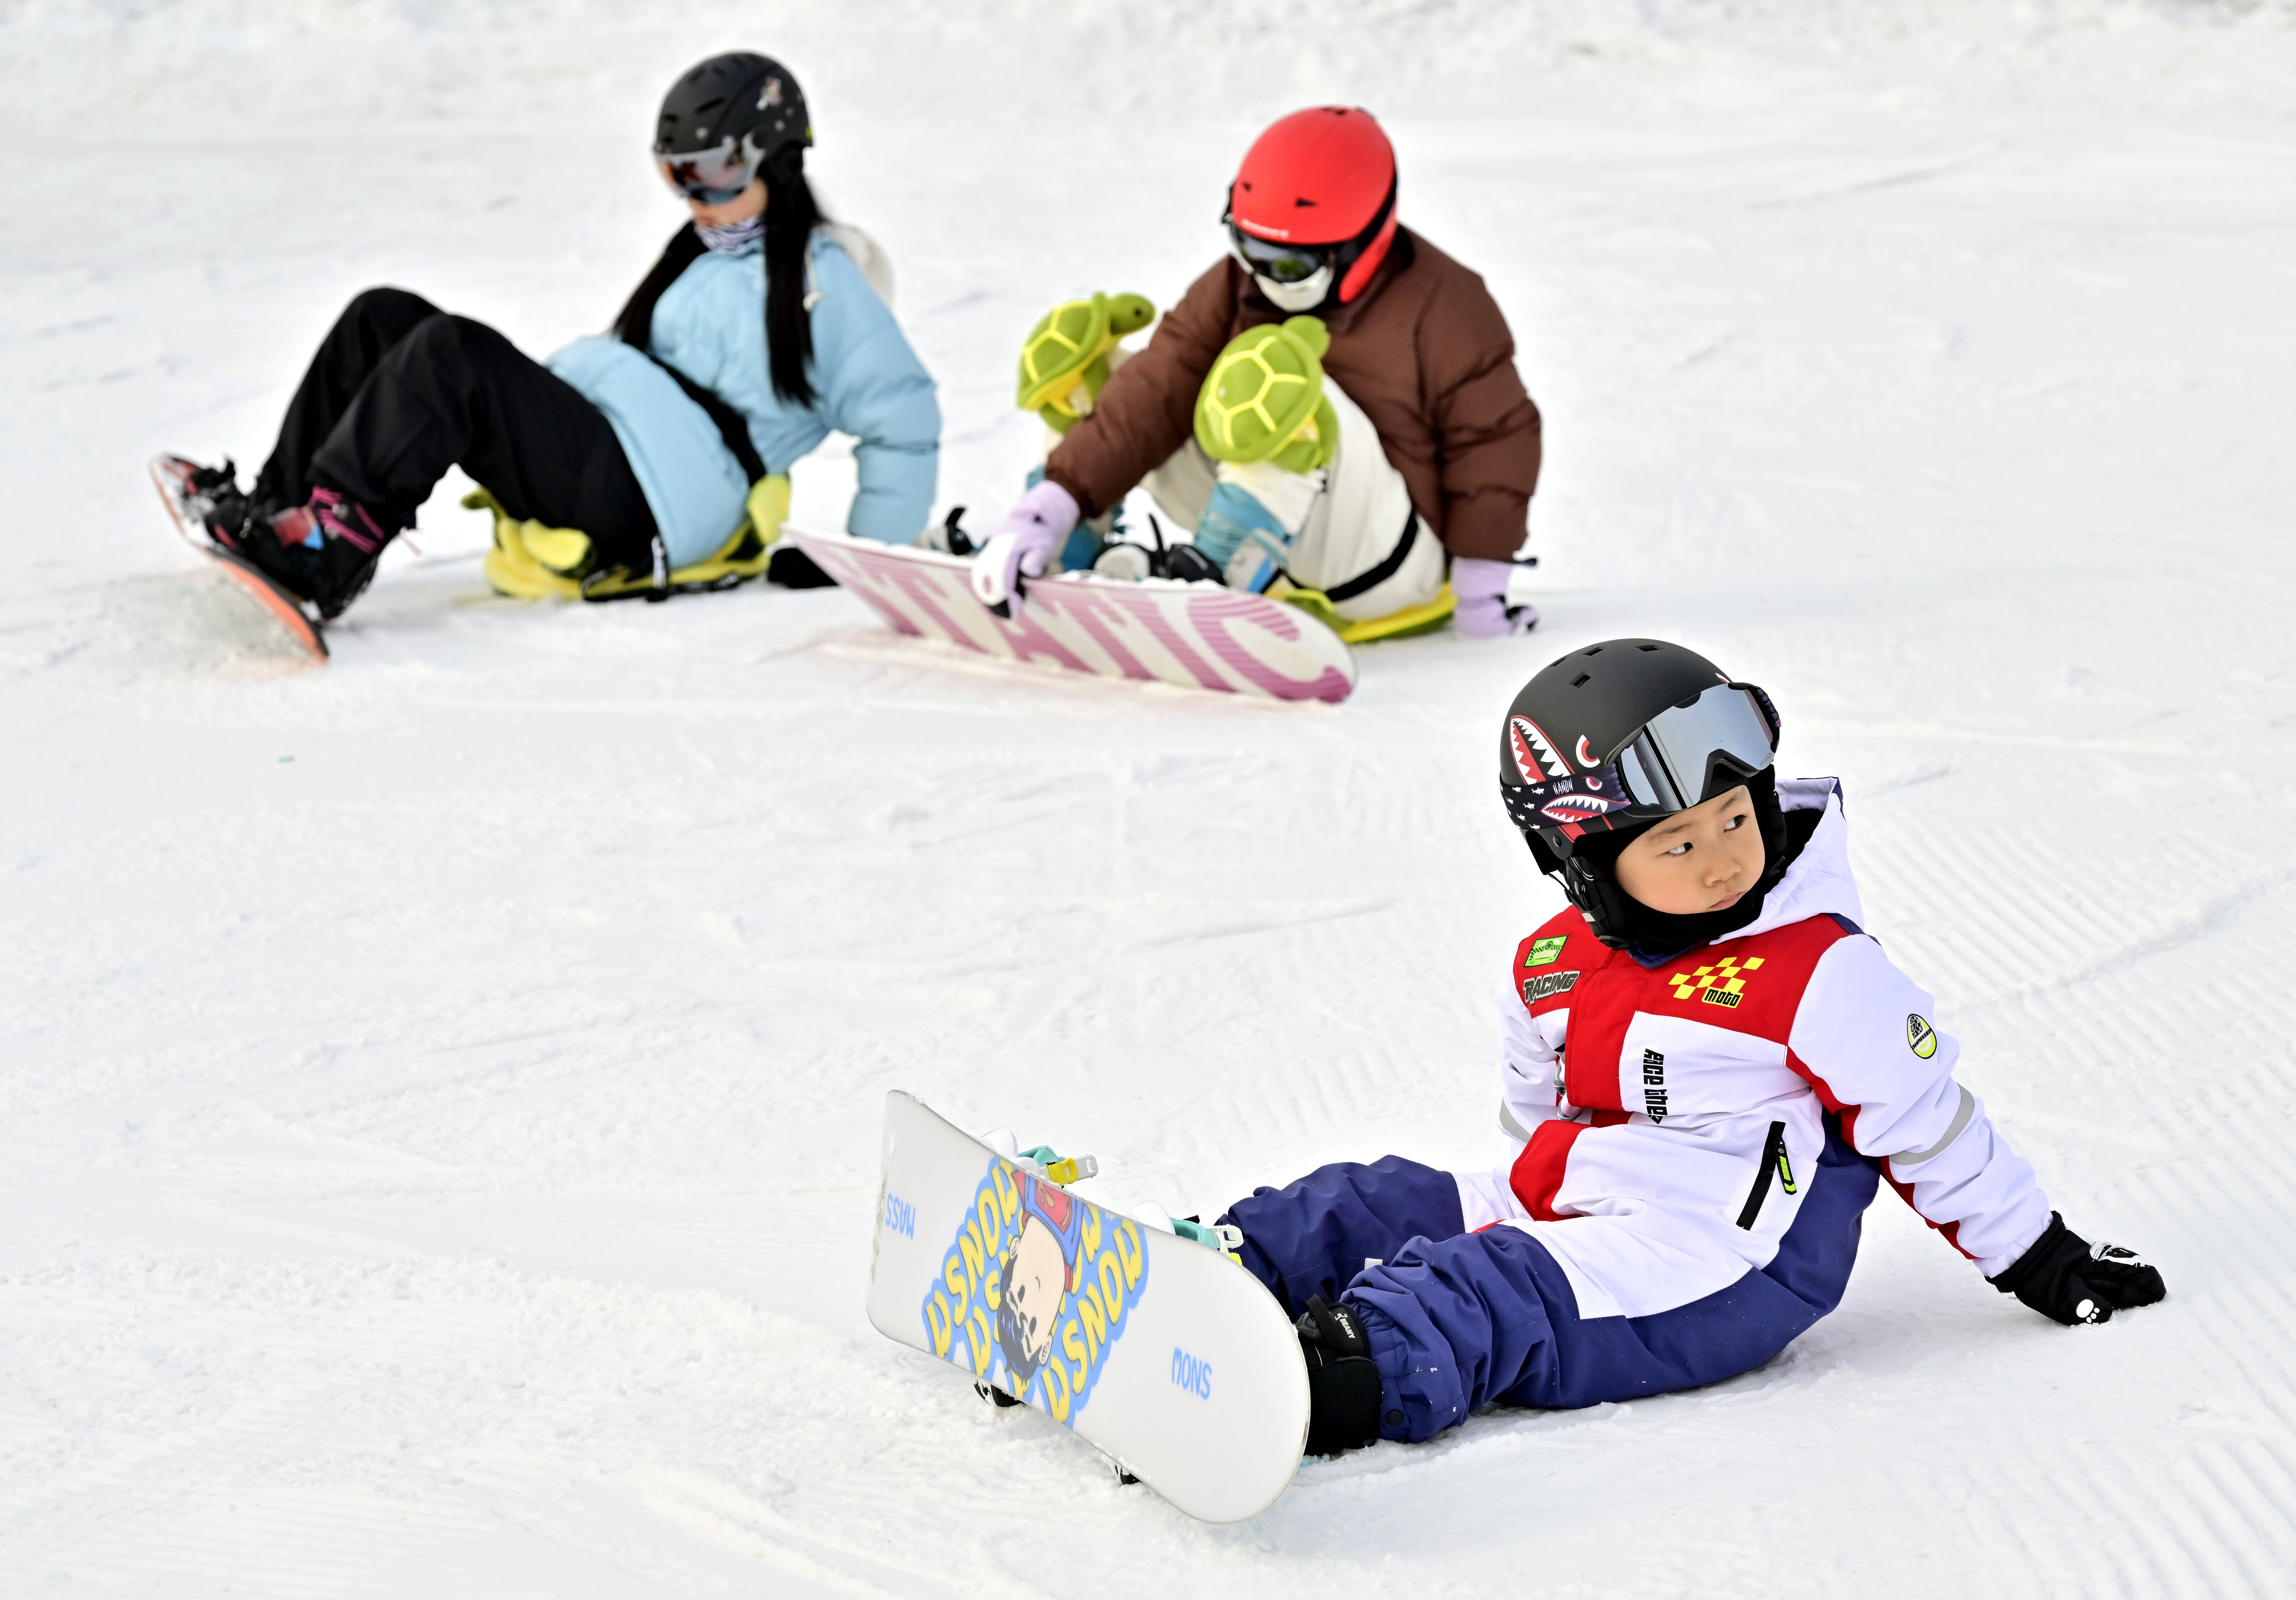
(1613, 737)
(725, 119)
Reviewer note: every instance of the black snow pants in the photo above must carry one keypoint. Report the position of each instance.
(399, 392)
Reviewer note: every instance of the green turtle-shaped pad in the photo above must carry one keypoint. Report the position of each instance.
(1263, 400)
(1069, 346)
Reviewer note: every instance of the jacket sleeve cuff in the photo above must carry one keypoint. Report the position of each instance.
(1484, 537)
(1087, 507)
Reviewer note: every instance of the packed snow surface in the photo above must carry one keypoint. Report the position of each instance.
(438, 1115)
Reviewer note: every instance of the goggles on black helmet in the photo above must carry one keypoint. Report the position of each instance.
(1682, 756)
(712, 177)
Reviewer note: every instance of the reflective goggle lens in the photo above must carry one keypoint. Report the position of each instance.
(1671, 763)
(1283, 263)
(712, 177)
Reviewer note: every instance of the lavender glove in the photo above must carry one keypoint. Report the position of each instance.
(1021, 546)
(1485, 611)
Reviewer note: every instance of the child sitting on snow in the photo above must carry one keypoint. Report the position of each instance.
(1708, 1068)
(1331, 409)
(645, 463)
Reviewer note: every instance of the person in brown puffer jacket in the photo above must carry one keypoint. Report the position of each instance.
(1332, 408)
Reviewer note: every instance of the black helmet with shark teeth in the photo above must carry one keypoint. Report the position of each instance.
(1612, 737)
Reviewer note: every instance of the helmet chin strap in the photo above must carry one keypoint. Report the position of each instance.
(1590, 878)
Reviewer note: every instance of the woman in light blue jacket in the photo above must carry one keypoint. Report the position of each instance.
(641, 463)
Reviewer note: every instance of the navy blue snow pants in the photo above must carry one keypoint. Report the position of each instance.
(1457, 1320)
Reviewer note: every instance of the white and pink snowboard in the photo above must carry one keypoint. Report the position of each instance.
(1198, 636)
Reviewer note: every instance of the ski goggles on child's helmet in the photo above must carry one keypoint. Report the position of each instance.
(1682, 756)
(1274, 258)
(1295, 276)
(712, 177)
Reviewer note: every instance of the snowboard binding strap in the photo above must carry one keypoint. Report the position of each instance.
(1059, 1168)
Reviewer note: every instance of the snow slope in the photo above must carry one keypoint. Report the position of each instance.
(437, 1113)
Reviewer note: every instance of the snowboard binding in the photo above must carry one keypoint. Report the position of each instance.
(1041, 1160)
(212, 513)
(1130, 563)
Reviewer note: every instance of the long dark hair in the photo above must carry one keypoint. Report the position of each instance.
(791, 214)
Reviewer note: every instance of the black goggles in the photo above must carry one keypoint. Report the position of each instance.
(712, 177)
(1277, 262)
(1681, 757)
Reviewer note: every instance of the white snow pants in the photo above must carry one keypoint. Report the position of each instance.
(1362, 544)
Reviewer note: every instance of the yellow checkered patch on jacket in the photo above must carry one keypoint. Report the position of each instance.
(1721, 983)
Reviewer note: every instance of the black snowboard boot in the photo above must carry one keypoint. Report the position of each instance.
(1189, 564)
(324, 550)
(1343, 1382)
(207, 498)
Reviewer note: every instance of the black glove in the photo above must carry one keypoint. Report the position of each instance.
(1342, 1380)
(2067, 1279)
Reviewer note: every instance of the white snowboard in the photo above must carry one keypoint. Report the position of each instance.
(1166, 1355)
(1199, 636)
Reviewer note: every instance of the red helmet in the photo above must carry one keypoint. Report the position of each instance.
(1316, 195)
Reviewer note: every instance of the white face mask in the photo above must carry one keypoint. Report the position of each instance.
(1305, 295)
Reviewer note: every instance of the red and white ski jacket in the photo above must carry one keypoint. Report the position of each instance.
(1689, 1097)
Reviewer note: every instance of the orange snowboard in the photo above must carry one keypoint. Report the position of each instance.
(171, 476)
